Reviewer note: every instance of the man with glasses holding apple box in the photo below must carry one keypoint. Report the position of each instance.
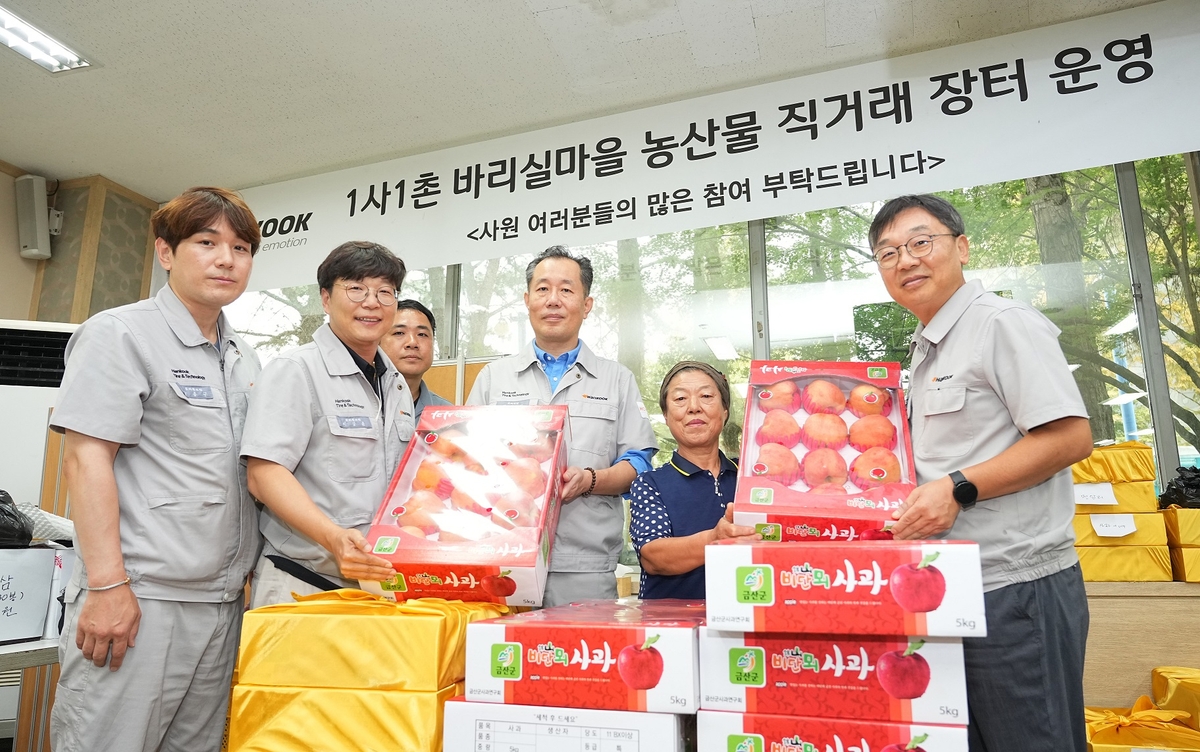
(997, 420)
(326, 430)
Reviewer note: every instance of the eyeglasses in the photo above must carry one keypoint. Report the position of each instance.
(917, 246)
(357, 294)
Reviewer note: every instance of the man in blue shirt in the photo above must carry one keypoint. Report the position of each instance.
(611, 437)
(409, 345)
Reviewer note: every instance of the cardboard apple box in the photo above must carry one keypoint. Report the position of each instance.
(475, 726)
(471, 511)
(867, 677)
(753, 732)
(826, 451)
(605, 655)
(914, 588)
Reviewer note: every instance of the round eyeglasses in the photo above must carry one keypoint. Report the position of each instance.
(358, 293)
(917, 246)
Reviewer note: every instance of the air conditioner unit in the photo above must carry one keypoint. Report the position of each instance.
(33, 218)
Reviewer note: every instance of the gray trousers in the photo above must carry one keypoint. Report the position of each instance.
(567, 587)
(1025, 679)
(171, 693)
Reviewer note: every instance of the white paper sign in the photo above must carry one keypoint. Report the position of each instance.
(1113, 525)
(1095, 493)
(1048, 100)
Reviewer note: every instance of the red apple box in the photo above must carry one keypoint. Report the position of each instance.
(830, 676)
(759, 732)
(471, 511)
(912, 588)
(826, 451)
(603, 655)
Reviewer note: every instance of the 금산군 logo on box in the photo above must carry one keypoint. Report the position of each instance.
(747, 666)
(506, 661)
(745, 743)
(770, 531)
(756, 584)
(877, 372)
(761, 495)
(386, 545)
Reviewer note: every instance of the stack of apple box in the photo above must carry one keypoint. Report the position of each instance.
(603, 675)
(471, 512)
(1120, 535)
(838, 645)
(826, 451)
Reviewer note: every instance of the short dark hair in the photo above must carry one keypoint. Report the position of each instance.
(200, 207)
(941, 209)
(358, 260)
(560, 251)
(409, 304)
(695, 365)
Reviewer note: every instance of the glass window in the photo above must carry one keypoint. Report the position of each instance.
(1168, 190)
(1055, 242)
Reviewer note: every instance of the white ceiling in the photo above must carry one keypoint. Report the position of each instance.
(236, 93)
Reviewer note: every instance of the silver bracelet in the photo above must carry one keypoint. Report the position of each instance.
(107, 587)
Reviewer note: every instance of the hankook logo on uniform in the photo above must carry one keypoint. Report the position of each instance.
(938, 379)
(289, 225)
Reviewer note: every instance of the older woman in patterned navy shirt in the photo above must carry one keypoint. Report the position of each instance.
(679, 508)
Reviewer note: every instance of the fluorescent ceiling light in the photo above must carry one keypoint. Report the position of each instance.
(1124, 326)
(41, 48)
(722, 348)
(1124, 398)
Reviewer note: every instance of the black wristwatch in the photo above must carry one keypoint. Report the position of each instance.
(965, 492)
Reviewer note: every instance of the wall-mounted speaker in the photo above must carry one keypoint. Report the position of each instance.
(33, 218)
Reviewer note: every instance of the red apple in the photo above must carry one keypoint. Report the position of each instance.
(541, 449)
(413, 530)
(431, 477)
(499, 585)
(527, 473)
(876, 535)
(516, 509)
(640, 667)
(419, 511)
(910, 747)
(918, 588)
(460, 499)
(903, 675)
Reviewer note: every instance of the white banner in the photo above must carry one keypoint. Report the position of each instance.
(1113, 88)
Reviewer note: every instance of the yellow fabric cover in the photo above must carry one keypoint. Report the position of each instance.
(355, 640)
(1136, 497)
(1129, 461)
(1143, 727)
(1185, 564)
(1177, 688)
(1151, 531)
(1125, 563)
(296, 719)
(1183, 526)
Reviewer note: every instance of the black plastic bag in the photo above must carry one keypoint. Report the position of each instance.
(16, 529)
(1183, 491)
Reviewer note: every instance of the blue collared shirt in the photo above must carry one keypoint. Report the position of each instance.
(677, 500)
(556, 368)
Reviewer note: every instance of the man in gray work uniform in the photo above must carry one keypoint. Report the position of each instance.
(997, 421)
(611, 438)
(328, 425)
(152, 404)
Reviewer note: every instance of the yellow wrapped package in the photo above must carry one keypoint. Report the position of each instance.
(1177, 688)
(1124, 563)
(296, 719)
(1119, 463)
(1134, 497)
(1185, 564)
(1183, 526)
(1150, 531)
(353, 640)
(1142, 727)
